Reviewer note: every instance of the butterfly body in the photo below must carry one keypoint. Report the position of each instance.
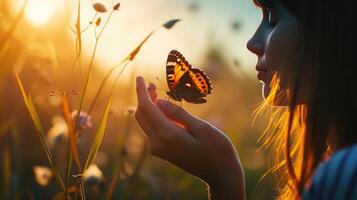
(184, 81)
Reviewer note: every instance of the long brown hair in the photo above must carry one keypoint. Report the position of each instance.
(321, 93)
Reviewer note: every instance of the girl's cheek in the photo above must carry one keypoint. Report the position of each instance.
(281, 43)
(272, 51)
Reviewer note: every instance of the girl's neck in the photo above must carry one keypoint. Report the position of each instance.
(332, 139)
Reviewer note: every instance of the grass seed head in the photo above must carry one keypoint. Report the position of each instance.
(98, 21)
(99, 7)
(116, 6)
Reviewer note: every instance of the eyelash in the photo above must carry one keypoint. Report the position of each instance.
(268, 14)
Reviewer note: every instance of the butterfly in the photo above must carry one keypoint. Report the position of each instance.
(184, 81)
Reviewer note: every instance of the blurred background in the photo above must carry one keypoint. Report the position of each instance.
(38, 41)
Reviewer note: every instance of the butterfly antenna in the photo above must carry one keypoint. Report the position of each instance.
(166, 88)
(161, 83)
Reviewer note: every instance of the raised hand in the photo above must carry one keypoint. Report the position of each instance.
(190, 143)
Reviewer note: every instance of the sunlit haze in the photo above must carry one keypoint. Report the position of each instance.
(209, 25)
(39, 12)
(204, 24)
(70, 122)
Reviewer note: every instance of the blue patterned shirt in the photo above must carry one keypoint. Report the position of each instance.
(335, 178)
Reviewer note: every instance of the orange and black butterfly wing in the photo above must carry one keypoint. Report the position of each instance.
(195, 86)
(201, 81)
(176, 67)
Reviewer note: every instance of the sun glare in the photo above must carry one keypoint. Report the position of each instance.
(39, 12)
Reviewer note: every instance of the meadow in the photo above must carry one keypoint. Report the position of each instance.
(67, 126)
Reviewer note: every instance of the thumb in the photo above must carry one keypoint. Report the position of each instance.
(179, 114)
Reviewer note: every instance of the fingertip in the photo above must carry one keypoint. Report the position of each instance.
(152, 92)
(151, 86)
(140, 82)
(141, 91)
(139, 78)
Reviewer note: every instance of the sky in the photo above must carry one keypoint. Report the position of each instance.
(209, 24)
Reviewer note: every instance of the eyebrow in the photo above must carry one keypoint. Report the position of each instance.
(256, 3)
(262, 3)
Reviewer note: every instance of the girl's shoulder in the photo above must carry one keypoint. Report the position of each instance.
(336, 177)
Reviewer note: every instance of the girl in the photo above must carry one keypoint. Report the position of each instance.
(305, 52)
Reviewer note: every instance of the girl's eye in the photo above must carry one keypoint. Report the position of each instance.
(270, 17)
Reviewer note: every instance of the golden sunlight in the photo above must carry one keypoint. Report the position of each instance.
(39, 12)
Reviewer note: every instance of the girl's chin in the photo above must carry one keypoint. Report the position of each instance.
(265, 90)
(280, 100)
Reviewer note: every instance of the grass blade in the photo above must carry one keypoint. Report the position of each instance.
(126, 60)
(68, 169)
(78, 30)
(30, 106)
(106, 78)
(168, 25)
(7, 36)
(119, 159)
(137, 49)
(33, 113)
(99, 136)
(89, 74)
(66, 109)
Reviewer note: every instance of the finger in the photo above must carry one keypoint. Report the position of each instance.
(149, 132)
(141, 91)
(172, 134)
(180, 115)
(145, 104)
(152, 91)
(158, 127)
(147, 108)
(145, 125)
(174, 144)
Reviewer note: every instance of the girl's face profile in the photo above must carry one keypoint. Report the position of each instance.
(273, 42)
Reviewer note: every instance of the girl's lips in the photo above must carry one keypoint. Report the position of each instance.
(265, 75)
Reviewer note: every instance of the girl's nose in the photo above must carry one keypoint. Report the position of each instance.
(255, 47)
